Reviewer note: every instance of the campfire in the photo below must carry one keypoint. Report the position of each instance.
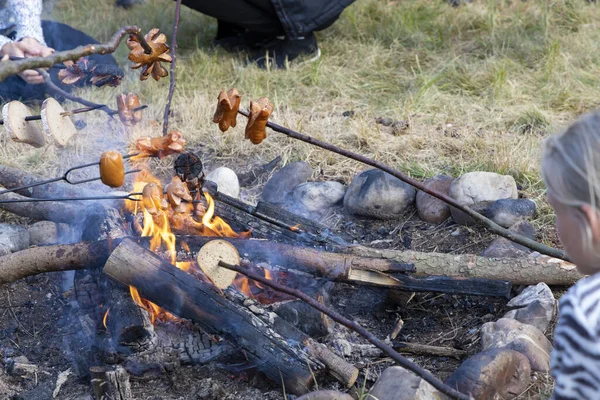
(176, 272)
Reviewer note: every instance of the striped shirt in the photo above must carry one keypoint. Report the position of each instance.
(576, 357)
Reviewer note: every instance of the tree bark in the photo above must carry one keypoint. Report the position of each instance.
(60, 257)
(518, 271)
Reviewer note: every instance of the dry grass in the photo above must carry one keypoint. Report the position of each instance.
(480, 85)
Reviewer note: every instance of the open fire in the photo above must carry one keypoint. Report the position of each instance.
(159, 216)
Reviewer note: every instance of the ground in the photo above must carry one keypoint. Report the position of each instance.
(479, 87)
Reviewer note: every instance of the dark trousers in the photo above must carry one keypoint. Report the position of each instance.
(60, 37)
(254, 15)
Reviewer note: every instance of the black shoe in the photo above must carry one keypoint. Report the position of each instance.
(281, 50)
(232, 37)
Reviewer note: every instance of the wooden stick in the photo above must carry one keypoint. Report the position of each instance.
(60, 92)
(163, 284)
(9, 68)
(174, 56)
(402, 361)
(426, 350)
(491, 225)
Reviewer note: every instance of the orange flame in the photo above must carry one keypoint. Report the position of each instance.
(159, 227)
(295, 228)
(105, 318)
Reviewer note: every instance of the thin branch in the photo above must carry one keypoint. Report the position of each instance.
(51, 86)
(491, 225)
(403, 361)
(174, 56)
(10, 68)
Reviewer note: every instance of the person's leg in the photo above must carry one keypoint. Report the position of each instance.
(251, 15)
(254, 25)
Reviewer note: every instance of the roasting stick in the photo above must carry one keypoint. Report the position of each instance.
(401, 360)
(129, 196)
(65, 177)
(78, 111)
(494, 227)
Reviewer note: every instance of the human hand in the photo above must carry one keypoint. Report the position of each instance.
(28, 47)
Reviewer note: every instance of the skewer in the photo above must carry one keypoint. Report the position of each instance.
(30, 200)
(78, 111)
(65, 177)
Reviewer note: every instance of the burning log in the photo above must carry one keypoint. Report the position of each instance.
(179, 293)
(344, 267)
(108, 383)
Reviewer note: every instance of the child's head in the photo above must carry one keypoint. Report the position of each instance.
(571, 169)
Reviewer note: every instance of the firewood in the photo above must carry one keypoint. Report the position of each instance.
(14, 177)
(43, 211)
(518, 271)
(72, 257)
(57, 126)
(108, 383)
(179, 293)
(304, 317)
(19, 130)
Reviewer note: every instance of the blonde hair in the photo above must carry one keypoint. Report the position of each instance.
(571, 168)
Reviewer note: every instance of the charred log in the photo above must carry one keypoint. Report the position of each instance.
(177, 292)
(110, 383)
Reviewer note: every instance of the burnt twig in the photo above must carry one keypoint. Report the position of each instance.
(491, 225)
(403, 361)
(174, 56)
(9, 68)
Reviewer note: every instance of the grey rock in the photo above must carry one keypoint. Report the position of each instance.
(536, 306)
(541, 292)
(315, 199)
(507, 212)
(325, 395)
(283, 182)
(495, 372)
(463, 219)
(43, 233)
(431, 209)
(13, 237)
(526, 339)
(504, 248)
(477, 187)
(397, 383)
(226, 180)
(375, 194)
